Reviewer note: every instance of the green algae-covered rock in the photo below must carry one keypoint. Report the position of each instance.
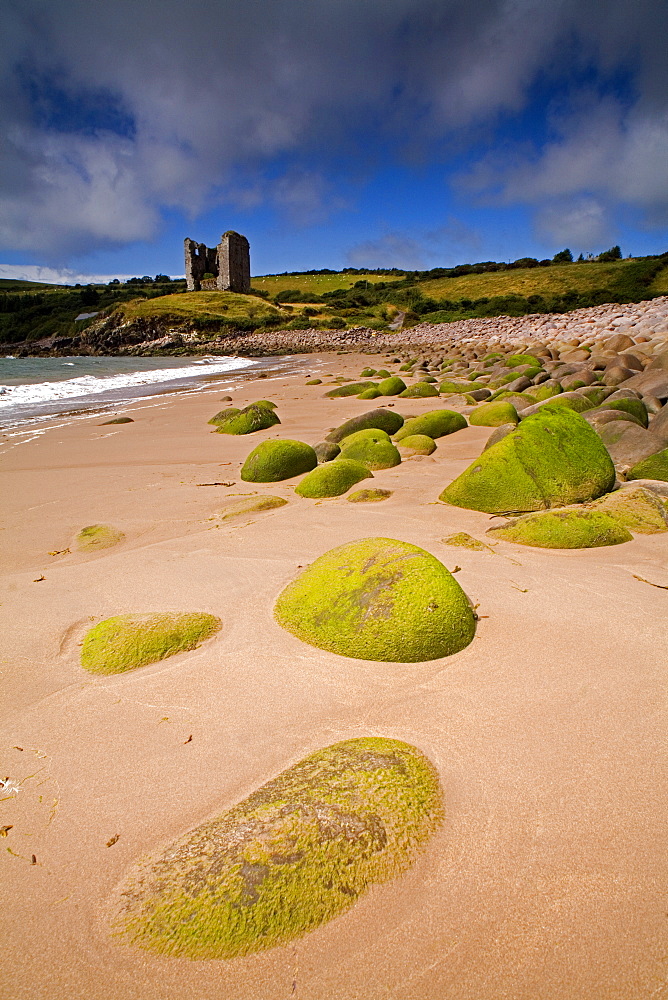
(370, 394)
(369, 496)
(249, 505)
(420, 390)
(391, 386)
(493, 415)
(367, 372)
(546, 390)
(252, 418)
(117, 420)
(265, 402)
(297, 852)
(452, 385)
(273, 461)
(378, 599)
(435, 424)
(565, 528)
(419, 444)
(332, 479)
(654, 467)
(224, 415)
(98, 536)
(568, 400)
(553, 458)
(326, 451)
(382, 419)
(129, 641)
(635, 407)
(513, 360)
(372, 448)
(351, 389)
(462, 540)
(314, 381)
(639, 510)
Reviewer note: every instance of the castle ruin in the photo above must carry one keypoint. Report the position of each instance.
(229, 263)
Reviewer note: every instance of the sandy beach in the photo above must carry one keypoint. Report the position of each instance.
(546, 878)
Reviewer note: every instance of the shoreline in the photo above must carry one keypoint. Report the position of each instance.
(547, 731)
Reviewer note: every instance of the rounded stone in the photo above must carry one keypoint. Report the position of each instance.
(566, 528)
(297, 852)
(351, 389)
(273, 461)
(435, 424)
(391, 386)
(382, 419)
(255, 417)
(371, 447)
(129, 641)
(551, 459)
(493, 415)
(369, 496)
(223, 415)
(332, 479)
(419, 444)
(420, 390)
(378, 599)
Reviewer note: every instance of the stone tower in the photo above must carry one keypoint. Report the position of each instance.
(229, 263)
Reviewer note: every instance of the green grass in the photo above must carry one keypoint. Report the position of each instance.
(555, 280)
(16, 285)
(227, 306)
(316, 283)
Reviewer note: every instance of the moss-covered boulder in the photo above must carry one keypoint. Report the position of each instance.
(654, 467)
(498, 434)
(565, 528)
(249, 505)
(314, 381)
(391, 386)
(435, 424)
(224, 415)
(372, 448)
(638, 509)
(273, 461)
(568, 400)
(514, 360)
(351, 389)
(117, 420)
(418, 444)
(369, 496)
(333, 479)
(419, 390)
(98, 536)
(297, 852)
(326, 451)
(378, 599)
(370, 393)
(635, 407)
(382, 419)
(129, 641)
(265, 402)
(493, 415)
(252, 418)
(449, 385)
(551, 459)
(367, 372)
(546, 390)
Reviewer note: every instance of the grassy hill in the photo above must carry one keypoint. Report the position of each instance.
(316, 284)
(17, 285)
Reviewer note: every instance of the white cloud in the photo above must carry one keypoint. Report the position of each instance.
(58, 276)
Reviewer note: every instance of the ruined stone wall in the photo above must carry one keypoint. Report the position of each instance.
(229, 263)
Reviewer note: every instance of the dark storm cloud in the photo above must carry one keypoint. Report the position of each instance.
(113, 112)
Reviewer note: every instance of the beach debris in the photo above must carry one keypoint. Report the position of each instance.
(129, 641)
(215, 484)
(98, 536)
(39, 579)
(299, 851)
(553, 458)
(642, 579)
(189, 740)
(4, 830)
(273, 461)
(59, 552)
(378, 599)
(33, 859)
(114, 840)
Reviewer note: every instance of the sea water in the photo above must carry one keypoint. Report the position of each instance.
(34, 388)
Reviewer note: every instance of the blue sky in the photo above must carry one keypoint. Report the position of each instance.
(407, 133)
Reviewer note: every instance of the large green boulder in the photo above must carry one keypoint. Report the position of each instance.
(372, 448)
(435, 424)
(351, 389)
(382, 419)
(568, 400)
(635, 407)
(419, 390)
(452, 385)
(252, 418)
(553, 458)
(654, 467)
(129, 641)
(565, 528)
(378, 599)
(372, 393)
(223, 416)
(391, 386)
(295, 853)
(493, 415)
(333, 479)
(273, 461)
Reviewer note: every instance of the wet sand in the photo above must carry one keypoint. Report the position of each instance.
(547, 878)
